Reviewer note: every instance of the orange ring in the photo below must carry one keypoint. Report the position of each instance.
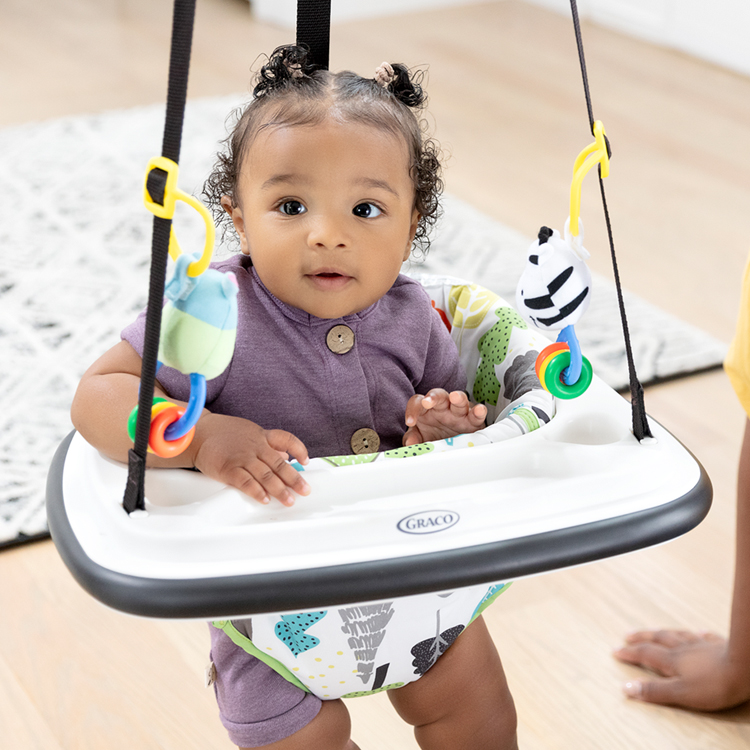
(159, 405)
(157, 409)
(156, 441)
(546, 354)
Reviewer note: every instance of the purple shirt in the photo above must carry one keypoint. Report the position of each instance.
(284, 376)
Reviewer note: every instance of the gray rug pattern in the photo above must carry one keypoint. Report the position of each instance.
(74, 256)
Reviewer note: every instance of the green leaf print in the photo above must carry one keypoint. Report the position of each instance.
(493, 347)
(362, 693)
(412, 450)
(353, 460)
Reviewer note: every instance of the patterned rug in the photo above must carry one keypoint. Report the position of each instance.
(75, 242)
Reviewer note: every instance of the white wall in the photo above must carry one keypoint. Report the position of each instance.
(716, 30)
(284, 12)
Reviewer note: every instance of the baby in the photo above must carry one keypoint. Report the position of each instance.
(329, 182)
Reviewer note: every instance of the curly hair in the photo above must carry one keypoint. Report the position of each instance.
(291, 91)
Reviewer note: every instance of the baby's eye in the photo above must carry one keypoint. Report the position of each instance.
(292, 208)
(366, 211)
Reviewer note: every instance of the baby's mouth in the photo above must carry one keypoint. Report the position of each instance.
(329, 280)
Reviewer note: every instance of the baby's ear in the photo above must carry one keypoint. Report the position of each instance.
(235, 212)
(415, 217)
(228, 205)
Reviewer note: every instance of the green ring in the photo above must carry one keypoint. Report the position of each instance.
(553, 377)
(133, 418)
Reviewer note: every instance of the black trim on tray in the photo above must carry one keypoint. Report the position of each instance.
(318, 588)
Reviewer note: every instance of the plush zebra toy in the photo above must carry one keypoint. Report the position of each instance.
(553, 293)
(555, 287)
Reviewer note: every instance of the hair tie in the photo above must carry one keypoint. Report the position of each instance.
(294, 69)
(385, 75)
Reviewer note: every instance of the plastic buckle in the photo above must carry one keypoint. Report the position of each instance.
(166, 209)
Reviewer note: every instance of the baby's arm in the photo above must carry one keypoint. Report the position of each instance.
(231, 450)
(702, 670)
(440, 415)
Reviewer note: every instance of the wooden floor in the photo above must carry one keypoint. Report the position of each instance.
(508, 105)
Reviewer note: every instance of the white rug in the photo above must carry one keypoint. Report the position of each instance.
(74, 253)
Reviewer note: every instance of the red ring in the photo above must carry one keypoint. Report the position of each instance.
(546, 352)
(156, 441)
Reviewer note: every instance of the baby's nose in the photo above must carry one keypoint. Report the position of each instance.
(327, 232)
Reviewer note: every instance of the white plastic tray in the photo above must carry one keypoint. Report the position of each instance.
(579, 488)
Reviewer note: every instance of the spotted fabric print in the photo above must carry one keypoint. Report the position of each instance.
(493, 347)
(291, 630)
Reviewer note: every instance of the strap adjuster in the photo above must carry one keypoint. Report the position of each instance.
(168, 171)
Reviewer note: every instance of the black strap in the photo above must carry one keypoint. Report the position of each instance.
(641, 428)
(314, 29)
(179, 67)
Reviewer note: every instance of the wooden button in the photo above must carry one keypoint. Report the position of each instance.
(340, 339)
(365, 441)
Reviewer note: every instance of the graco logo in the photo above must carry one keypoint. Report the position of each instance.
(428, 522)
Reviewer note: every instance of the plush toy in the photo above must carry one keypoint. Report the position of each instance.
(198, 333)
(554, 290)
(199, 323)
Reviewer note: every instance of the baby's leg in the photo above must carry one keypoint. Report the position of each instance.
(259, 708)
(463, 701)
(329, 730)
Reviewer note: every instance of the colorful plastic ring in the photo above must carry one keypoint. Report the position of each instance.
(156, 440)
(546, 353)
(555, 384)
(545, 365)
(194, 409)
(162, 403)
(546, 362)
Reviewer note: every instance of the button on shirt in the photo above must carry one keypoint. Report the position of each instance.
(285, 374)
(365, 440)
(340, 339)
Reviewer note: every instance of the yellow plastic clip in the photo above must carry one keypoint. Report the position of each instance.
(596, 153)
(172, 194)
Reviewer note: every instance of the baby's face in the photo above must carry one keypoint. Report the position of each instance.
(326, 213)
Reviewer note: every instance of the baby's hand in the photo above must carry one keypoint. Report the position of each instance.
(242, 454)
(441, 415)
(696, 668)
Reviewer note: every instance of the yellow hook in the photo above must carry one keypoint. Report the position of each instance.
(172, 194)
(596, 153)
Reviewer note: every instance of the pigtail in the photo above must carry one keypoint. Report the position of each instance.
(405, 87)
(286, 65)
(425, 168)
